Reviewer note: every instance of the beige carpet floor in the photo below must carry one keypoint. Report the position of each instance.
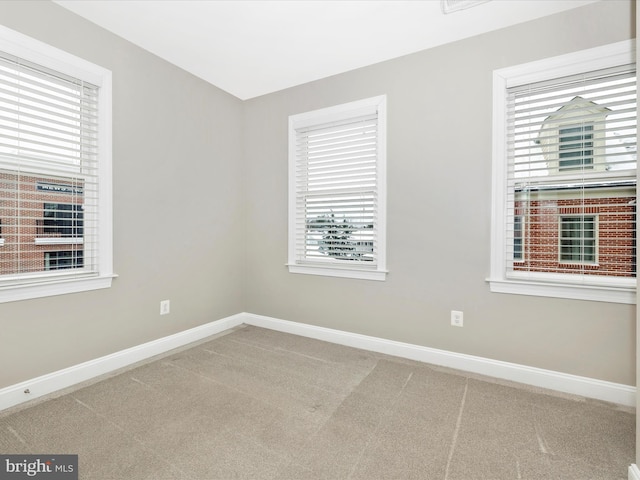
(259, 404)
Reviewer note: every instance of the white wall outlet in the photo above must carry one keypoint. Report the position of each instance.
(456, 318)
(164, 307)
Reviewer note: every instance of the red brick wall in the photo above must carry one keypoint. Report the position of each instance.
(615, 235)
(19, 197)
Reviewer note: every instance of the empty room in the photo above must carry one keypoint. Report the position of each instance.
(291, 240)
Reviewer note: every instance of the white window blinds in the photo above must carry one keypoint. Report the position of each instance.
(48, 174)
(571, 177)
(337, 174)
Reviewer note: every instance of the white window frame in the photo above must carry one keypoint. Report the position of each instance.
(332, 267)
(40, 53)
(622, 290)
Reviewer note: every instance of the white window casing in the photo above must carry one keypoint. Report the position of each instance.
(337, 191)
(564, 144)
(55, 153)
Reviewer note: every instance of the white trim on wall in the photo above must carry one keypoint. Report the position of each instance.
(634, 472)
(505, 280)
(68, 377)
(538, 377)
(562, 382)
(371, 114)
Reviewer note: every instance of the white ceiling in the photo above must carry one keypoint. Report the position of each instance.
(254, 47)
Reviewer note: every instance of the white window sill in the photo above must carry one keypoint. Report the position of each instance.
(59, 241)
(12, 293)
(330, 271)
(597, 293)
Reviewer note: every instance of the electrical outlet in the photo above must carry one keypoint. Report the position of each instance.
(164, 307)
(456, 318)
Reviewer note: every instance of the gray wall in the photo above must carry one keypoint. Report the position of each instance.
(196, 172)
(178, 219)
(439, 199)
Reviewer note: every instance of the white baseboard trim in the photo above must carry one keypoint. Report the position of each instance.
(634, 472)
(53, 382)
(562, 382)
(68, 377)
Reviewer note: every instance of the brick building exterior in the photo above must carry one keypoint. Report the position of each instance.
(574, 197)
(41, 223)
(603, 218)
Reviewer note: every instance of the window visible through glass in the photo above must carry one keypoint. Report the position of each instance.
(61, 260)
(577, 242)
(517, 237)
(576, 147)
(63, 219)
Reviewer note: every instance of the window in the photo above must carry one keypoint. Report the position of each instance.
(63, 259)
(576, 147)
(564, 166)
(62, 220)
(578, 239)
(55, 171)
(337, 190)
(517, 238)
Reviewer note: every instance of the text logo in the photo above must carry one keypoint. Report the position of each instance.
(44, 467)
